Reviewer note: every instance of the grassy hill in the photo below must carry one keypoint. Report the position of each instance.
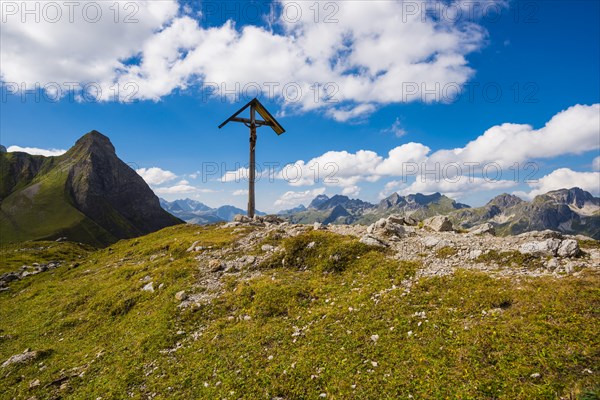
(329, 319)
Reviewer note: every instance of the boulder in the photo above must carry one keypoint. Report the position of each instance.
(241, 218)
(439, 223)
(410, 220)
(273, 219)
(386, 227)
(402, 220)
(397, 219)
(482, 229)
(372, 241)
(548, 247)
(545, 234)
(23, 358)
(568, 248)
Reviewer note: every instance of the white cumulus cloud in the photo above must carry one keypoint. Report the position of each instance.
(348, 67)
(596, 164)
(565, 178)
(36, 151)
(292, 199)
(155, 175)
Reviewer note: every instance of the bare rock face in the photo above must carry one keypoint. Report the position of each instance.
(439, 223)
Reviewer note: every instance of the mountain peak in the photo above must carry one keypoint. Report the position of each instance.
(574, 196)
(94, 141)
(504, 201)
(317, 201)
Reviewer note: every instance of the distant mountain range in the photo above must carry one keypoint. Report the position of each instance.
(195, 212)
(343, 210)
(87, 195)
(572, 211)
(566, 210)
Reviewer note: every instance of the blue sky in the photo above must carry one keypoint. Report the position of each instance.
(531, 64)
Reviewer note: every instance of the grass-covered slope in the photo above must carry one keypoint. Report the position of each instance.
(43, 209)
(326, 316)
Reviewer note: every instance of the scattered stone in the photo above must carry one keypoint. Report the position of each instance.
(482, 229)
(552, 264)
(310, 245)
(267, 247)
(192, 247)
(23, 358)
(34, 384)
(318, 226)
(535, 375)
(439, 223)
(372, 241)
(149, 287)
(430, 241)
(215, 265)
(473, 254)
(374, 338)
(568, 248)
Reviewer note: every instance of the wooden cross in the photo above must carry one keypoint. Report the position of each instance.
(253, 123)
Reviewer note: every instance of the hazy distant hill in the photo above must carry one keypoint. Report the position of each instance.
(195, 212)
(87, 194)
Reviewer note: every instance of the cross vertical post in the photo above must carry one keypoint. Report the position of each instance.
(252, 171)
